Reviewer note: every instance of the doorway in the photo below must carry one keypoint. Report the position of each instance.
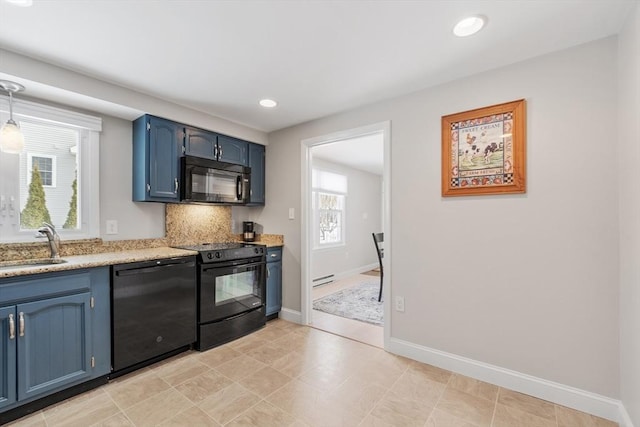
(345, 193)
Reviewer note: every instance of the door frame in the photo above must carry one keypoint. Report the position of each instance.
(307, 214)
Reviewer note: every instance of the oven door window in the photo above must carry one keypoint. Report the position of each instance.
(228, 291)
(235, 286)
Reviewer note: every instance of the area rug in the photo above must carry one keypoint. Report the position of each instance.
(359, 303)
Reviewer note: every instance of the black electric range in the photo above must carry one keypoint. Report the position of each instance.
(231, 291)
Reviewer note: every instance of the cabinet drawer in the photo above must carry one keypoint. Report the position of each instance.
(46, 285)
(274, 254)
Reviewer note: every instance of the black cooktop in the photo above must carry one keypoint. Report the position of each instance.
(226, 251)
(214, 246)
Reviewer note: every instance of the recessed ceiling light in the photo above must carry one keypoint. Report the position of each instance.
(469, 26)
(21, 3)
(268, 103)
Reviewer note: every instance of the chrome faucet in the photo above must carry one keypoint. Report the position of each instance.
(49, 231)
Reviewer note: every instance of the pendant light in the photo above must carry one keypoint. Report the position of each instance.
(11, 138)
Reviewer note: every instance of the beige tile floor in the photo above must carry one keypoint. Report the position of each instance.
(292, 375)
(354, 329)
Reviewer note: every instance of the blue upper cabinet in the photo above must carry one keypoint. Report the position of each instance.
(200, 143)
(233, 150)
(157, 146)
(210, 145)
(8, 338)
(257, 165)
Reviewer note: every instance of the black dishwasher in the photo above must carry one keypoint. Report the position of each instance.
(153, 311)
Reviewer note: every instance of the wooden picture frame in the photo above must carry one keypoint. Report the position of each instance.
(484, 151)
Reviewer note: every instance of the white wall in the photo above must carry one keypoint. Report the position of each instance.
(525, 282)
(629, 138)
(363, 217)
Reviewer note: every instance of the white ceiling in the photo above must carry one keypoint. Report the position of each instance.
(314, 57)
(364, 152)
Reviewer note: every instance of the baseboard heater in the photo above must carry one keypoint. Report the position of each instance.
(323, 280)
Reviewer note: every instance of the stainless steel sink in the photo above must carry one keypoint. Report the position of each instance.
(31, 262)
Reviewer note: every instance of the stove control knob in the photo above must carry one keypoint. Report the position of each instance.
(218, 255)
(209, 255)
(256, 250)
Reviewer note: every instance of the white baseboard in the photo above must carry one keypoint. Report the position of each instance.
(290, 315)
(561, 394)
(625, 419)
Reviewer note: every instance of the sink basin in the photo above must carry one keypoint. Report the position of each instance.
(31, 262)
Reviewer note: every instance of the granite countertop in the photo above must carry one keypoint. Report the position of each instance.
(90, 253)
(95, 260)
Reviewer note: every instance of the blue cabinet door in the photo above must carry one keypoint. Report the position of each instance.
(274, 280)
(8, 335)
(233, 150)
(164, 149)
(257, 165)
(54, 344)
(200, 143)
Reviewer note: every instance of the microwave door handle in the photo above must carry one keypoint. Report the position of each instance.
(239, 187)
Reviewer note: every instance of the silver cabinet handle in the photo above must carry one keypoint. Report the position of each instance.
(21, 321)
(177, 186)
(268, 272)
(273, 255)
(215, 151)
(12, 327)
(219, 152)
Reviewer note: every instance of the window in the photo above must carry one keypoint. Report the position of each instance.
(45, 165)
(329, 194)
(55, 178)
(330, 214)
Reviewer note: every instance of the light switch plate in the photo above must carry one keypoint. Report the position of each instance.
(292, 213)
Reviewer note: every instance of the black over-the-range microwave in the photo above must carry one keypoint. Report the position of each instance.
(210, 181)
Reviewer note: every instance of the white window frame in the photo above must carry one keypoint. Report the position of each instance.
(54, 170)
(318, 188)
(316, 215)
(88, 167)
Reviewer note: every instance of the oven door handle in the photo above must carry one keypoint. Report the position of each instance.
(213, 266)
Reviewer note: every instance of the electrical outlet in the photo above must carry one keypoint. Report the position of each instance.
(112, 226)
(400, 304)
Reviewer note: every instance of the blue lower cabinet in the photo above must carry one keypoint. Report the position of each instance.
(54, 344)
(55, 333)
(274, 281)
(8, 335)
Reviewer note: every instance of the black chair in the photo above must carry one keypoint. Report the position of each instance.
(377, 239)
